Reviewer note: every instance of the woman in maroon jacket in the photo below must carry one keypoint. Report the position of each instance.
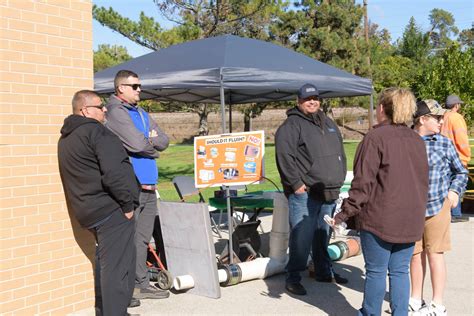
(389, 194)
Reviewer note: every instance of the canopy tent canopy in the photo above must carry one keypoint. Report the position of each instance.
(233, 70)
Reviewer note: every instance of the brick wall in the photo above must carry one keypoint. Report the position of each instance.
(45, 56)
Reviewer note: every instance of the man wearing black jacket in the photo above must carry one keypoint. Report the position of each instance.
(102, 192)
(312, 165)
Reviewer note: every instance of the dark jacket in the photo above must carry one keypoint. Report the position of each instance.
(390, 187)
(96, 173)
(309, 151)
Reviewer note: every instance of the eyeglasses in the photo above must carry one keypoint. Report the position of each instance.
(100, 106)
(134, 86)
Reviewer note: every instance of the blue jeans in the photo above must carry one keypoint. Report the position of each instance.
(308, 229)
(456, 211)
(379, 257)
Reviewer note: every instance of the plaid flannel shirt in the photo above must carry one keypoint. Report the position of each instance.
(447, 172)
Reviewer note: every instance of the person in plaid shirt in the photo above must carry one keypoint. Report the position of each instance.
(447, 180)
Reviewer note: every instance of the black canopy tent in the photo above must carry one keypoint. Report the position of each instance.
(233, 70)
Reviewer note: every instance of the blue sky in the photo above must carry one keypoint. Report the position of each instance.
(390, 14)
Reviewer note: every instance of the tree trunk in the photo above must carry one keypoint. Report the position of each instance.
(247, 121)
(203, 125)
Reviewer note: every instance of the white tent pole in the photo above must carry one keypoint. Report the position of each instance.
(222, 104)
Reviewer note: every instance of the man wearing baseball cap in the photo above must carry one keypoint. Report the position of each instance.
(312, 165)
(455, 128)
(447, 179)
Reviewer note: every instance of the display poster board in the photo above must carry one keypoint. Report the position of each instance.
(228, 159)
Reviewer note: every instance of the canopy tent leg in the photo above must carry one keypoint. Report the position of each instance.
(230, 118)
(229, 210)
(222, 106)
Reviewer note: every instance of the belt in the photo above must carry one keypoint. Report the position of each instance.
(148, 187)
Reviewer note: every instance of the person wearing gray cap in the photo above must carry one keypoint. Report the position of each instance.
(455, 128)
(312, 165)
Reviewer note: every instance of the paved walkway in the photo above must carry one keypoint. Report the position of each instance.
(268, 297)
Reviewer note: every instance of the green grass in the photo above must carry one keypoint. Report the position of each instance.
(178, 160)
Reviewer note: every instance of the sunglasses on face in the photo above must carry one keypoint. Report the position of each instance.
(437, 118)
(314, 98)
(134, 86)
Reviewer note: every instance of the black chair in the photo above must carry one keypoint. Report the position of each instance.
(238, 188)
(185, 187)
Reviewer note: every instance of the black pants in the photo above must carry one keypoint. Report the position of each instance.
(115, 265)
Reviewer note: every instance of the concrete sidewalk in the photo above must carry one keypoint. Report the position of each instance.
(268, 297)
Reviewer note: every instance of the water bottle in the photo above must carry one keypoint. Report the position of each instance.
(340, 228)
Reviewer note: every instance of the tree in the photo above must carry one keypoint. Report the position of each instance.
(442, 27)
(450, 72)
(193, 19)
(394, 71)
(414, 44)
(250, 112)
(145, 32)
(107, 56)
(466, 37)
(211, 18)
(331, 32)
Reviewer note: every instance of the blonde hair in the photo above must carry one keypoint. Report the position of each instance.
(399, 104)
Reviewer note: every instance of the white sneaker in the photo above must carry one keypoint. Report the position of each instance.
(432, 310)
(415, 307)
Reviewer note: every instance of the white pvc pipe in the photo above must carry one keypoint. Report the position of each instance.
(183, 282)
(259, 268)
(280, 233)
(280, 223)
(278, 246)
(222, 275)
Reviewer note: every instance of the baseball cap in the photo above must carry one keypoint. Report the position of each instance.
(429, 106)
(308, 90)
(452, 100)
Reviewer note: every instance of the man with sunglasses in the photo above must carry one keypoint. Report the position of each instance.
(447, 179)
(312, 165)
(143, 140)
(102, 192)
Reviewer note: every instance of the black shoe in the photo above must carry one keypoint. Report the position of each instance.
(150, 292)
(329, 279)
(459, 219)
(295, 288)
(134, 302)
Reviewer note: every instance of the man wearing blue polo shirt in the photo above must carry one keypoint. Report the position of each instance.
(143, 140)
